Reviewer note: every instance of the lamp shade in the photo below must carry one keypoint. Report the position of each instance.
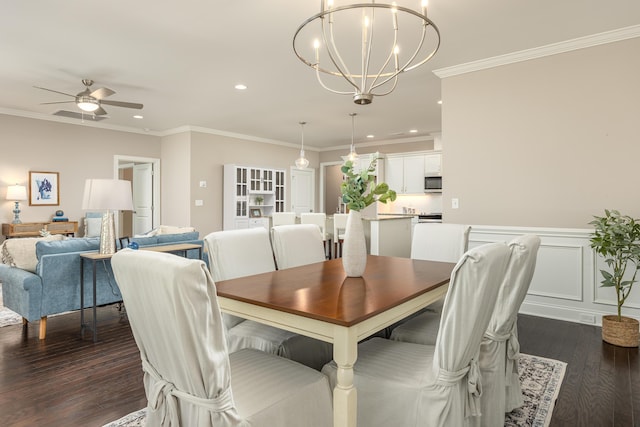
(107, 194)
(16, 192)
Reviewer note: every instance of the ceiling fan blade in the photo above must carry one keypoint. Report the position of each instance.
(102, 92)
(100, 112)
(54, 91)
(57, 102)
(123, 104)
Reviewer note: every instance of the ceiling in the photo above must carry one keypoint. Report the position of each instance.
(182, 60)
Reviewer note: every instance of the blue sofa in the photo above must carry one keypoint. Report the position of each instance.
(55, 286)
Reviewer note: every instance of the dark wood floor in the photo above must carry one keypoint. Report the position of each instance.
(67, 381)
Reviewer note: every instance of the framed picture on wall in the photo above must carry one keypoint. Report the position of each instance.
(255, 212)
(44, 189)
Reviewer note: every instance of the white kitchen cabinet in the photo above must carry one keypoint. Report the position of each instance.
(433, 164)
(251, 188)
(405, 174)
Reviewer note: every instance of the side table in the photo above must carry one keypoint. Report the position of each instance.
(94, 257)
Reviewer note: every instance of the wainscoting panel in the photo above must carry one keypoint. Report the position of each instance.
(566, 283)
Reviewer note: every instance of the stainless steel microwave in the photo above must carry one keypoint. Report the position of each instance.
(433, 184)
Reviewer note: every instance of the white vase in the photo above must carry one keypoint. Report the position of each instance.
(354, 247)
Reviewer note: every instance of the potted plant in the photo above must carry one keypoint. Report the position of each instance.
(259, 200)
(359, 190)
(617, 238)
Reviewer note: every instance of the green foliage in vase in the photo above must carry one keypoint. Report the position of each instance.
(359, 190)
(617, 239)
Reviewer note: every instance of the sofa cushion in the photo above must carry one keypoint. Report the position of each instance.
(144, 241)
(80, 244)
(21, 252)
(180, 237)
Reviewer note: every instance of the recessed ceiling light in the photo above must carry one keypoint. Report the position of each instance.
(240, 86)
(370, 136)
(138, 116)
(413, 131)
(440, 102)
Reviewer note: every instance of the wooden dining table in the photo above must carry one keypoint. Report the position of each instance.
(320, 301)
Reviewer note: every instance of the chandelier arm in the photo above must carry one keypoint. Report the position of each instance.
(433, 52)
(391, 54)
(366, 49)
(346, 74)
(415, 53)
(328, 88)
(395, 82)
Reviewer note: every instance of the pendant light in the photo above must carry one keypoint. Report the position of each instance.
(302, 162)
(353, 156)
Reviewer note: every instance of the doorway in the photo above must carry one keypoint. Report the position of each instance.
(144, 175)
(303, 190)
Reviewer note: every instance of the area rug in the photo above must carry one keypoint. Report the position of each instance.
(540, 378)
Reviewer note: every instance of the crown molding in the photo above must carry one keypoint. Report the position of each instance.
(539, 52)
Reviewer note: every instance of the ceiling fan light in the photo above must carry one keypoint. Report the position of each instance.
(86, 103)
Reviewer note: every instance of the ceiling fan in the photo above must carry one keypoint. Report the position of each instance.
(91, 100)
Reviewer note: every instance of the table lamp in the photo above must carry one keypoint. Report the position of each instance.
(109, 195)
(16, 193)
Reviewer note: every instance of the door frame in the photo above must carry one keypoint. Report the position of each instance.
(120, 160)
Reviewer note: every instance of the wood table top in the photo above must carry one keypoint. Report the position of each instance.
(322, 291)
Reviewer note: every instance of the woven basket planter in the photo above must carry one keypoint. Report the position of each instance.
(622, 334)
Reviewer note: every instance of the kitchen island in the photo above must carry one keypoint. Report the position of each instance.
(388, 235)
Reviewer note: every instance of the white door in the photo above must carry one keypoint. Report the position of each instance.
(302, 190)
(142, 198)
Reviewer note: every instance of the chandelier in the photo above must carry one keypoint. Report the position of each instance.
(363, 46)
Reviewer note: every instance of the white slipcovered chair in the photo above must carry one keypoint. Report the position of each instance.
(190, 379)
(295, 245)
(320, 219)
(499, 350)
(407, 384)
(238, 253)
(439, 242)
(339, 227)
(283, 218)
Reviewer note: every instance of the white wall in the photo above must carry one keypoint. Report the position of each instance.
(176, 176)
(547, 142)
(76, 152)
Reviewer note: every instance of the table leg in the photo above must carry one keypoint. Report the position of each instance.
(81, 297)
(345, 397)
(95, 303)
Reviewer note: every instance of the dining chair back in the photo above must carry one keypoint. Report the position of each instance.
(238, 253)
(339, 227)
(439, 242)
(402, 383)
(295, 245)
(189, 376)
(320, 219)
(283, 218)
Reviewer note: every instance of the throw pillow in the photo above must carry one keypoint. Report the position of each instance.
(21, 252)
(92, 227)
